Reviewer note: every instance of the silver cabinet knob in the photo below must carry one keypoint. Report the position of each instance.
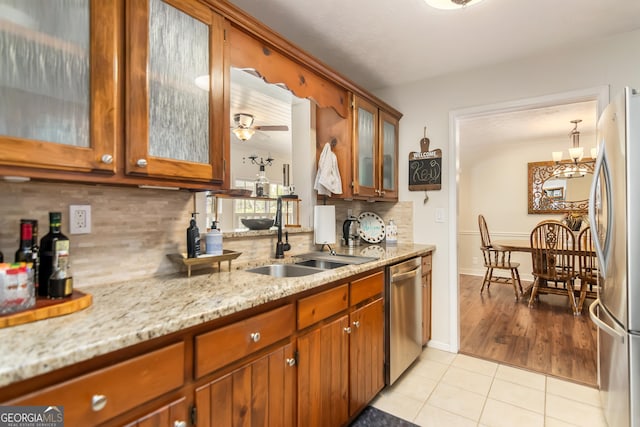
(255, 336)
(141, 163)
(179, 424)
(290, 361)
(356, 323)
(98, 402)
(107, 159)
(347, 330)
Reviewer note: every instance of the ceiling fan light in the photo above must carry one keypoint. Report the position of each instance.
(243, 134)
(451, 4)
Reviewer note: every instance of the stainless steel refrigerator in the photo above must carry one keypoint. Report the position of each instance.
(614, 213)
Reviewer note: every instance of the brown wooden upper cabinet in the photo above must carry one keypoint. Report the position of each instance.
(175, 91)
(375, 151)
(58, 68)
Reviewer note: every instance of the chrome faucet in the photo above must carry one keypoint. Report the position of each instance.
(280, 246)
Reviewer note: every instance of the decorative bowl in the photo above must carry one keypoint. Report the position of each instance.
(258, 223)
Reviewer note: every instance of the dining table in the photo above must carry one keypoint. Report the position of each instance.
(522, 245)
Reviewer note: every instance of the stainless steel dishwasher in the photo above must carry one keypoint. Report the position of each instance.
(404, 317)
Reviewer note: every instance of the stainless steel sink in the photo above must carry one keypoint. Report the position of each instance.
(338, 258)
(320, 263)
(285, 270)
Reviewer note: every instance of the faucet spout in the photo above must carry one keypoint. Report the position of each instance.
(281, 247)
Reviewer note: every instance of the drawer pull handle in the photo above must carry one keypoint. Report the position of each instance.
(347, 330)
(98, 402)
(141, 163)
(356, 323)
(106, 159)
(291, 361)
(255, 336)
(179, 424)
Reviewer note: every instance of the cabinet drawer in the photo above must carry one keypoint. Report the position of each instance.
(367, 287)
(223, 346)
(426, 263)
(122, 387)
(322, 305)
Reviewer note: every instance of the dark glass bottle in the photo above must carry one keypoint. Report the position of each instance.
(35, 249)
(24, 252)
(1, 257)
(51, 244)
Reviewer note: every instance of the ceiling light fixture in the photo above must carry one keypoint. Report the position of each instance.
(243, 124)
(451, 4)
(576, 152)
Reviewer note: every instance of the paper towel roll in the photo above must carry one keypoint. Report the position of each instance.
(324, 224)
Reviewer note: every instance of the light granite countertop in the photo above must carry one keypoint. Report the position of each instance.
(128, 313)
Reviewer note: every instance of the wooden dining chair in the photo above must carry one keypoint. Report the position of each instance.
(587, 265)
(553, 259)
(497, 260)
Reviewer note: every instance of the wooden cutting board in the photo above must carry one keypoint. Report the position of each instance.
(47, 308)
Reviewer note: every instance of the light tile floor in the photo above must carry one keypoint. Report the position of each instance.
(449, 390)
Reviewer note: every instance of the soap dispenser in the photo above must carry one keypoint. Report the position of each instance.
(392, 233)
(213, 240)
(193, 238)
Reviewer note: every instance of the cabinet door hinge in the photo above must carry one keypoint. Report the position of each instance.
(296, 356)
(224, 34)
(194, 415)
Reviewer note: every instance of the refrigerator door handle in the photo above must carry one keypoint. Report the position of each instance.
(600, 324)
(600, 249)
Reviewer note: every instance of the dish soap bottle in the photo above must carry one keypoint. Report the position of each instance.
(392, 233)
(262, 184)
(213, 240)
(193, 238)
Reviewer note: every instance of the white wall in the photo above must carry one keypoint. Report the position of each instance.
(610, 61)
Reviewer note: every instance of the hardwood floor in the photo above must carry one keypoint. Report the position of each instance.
(546, 338)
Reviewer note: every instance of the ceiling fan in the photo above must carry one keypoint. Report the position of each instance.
(244, 129)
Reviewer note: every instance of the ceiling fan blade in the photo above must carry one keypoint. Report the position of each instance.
(272, 128)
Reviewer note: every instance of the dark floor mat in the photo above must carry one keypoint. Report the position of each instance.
(372, 417)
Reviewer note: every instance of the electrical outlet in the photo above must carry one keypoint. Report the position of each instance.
(79, 219)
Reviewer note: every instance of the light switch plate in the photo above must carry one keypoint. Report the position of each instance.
(439, 214)
(79, 219)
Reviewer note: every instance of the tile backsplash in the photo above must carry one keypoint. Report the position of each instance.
(133, 229)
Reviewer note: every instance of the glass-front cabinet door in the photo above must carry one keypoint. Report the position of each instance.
(389, 148)
(375, 152)
(175, 90)
(365, 143)
(58, 68)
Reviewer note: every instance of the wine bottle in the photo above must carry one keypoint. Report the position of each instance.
(1, 257)
(50, 243)
(35, 249)
(24, 252)
(61, 280)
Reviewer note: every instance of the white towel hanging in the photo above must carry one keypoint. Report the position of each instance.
(328, 178)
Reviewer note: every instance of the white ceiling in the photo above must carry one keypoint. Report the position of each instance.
(381, 43)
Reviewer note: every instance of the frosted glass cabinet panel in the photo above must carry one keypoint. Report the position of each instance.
(178, 108)
(48, 77)
(389, 132)
(365, 147)
(175, 90)
(375, 152)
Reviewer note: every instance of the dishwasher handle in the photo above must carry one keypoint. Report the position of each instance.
(404, 276)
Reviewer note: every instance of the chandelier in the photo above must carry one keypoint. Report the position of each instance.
(576, 152)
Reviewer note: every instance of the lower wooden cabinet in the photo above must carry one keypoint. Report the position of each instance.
(101, 395)
(366, 354)
(260, 393)
(323, 375)
(172, 415)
